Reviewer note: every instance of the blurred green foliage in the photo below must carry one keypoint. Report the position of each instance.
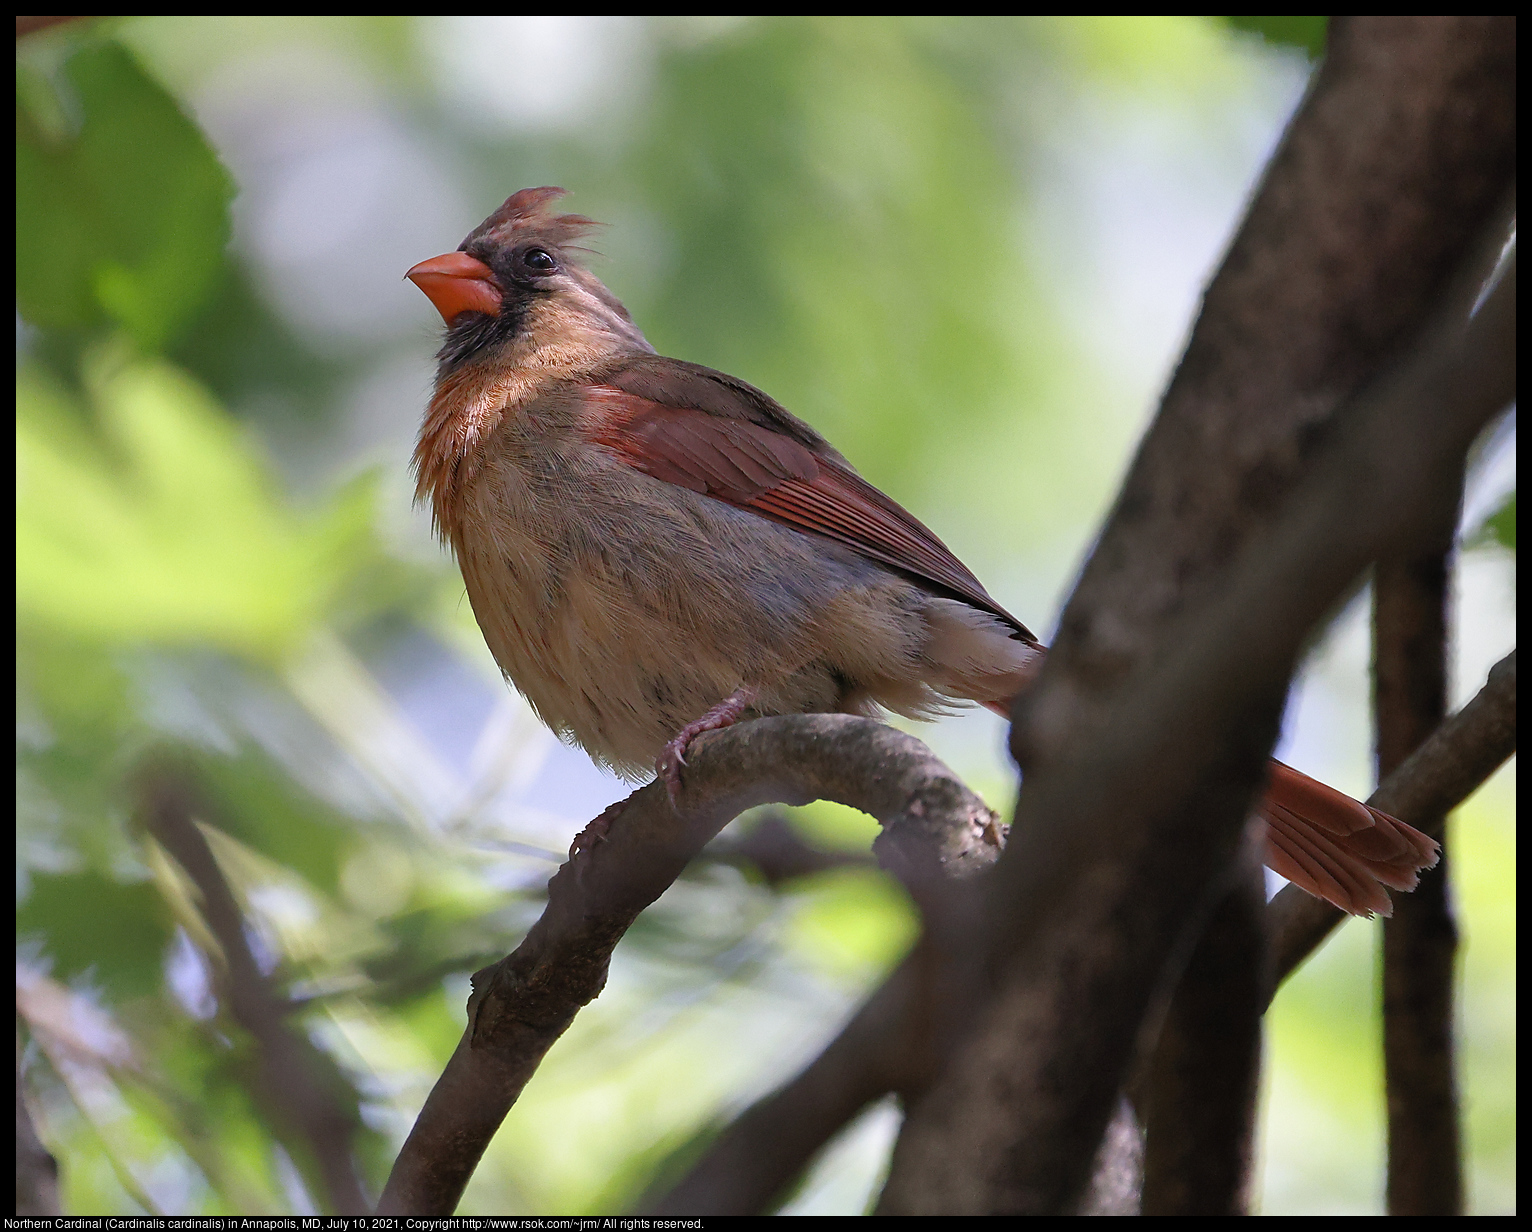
(1305, 33)
(1500, 526)
(121, 207)
(124, 528)
(885, 307)
(214, 575)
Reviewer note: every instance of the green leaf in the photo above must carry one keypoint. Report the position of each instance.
(257, 804)
(173, 533)
(94, 926)
(1308, 34)
(1499, 527)
(122, 215)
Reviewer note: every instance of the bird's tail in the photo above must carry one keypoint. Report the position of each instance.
(1336, 848)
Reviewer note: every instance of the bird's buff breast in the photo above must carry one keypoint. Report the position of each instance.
(618, 606)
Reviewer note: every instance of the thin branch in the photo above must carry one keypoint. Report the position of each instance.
(934, 827)
(296, 1081)
(1448, 768)
(1259, 495)
(894, 1044)
(1420, 939)
(750, 1166)
(37, 1171)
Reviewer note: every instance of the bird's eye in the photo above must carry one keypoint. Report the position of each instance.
(539, 261)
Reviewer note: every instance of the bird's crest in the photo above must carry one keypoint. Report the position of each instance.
(527, 213)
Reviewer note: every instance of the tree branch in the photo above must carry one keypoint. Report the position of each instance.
(296, 1082)
(1203, 1076)
(895, 1043)
(1448, 768)
(746, 1170)
(37, 1171)
(934, 827)
(1254, 502)
(1393, 164)
(1420, 939)
(1123, 836)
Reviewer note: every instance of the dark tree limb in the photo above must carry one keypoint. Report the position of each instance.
(1199, 1094)
(1448, 768)
(302, 1089)
(894, 1044)
(934, 828)
(1117, 1172)
(37, 1171)
(1420, 939)
(1289, 452)
(759, 1156)
(1124, 837)
(1395, 161)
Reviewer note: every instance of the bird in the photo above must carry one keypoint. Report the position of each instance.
(654, 549)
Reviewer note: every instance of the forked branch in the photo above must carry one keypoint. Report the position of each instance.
(933, 828)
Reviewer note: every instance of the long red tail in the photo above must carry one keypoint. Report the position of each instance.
(1336, 848)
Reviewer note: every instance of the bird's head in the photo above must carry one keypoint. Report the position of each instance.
(517, 281)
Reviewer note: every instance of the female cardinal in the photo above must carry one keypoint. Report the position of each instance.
(653, 549)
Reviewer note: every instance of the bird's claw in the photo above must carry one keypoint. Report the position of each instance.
(668, 765)
(596, 830)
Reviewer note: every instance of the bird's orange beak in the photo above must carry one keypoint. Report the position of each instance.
(456, 283)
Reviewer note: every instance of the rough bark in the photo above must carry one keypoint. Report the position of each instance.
(934, 829)
(1420, 940)
(1203, 1078)
(1318, 413)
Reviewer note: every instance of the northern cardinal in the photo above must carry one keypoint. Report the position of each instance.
(653, 549)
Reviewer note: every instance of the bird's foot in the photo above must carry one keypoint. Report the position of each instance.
(596, 831)
(668, 765)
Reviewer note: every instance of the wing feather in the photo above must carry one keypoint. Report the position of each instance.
(762, 467)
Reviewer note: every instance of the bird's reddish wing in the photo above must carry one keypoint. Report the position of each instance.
(749, 465)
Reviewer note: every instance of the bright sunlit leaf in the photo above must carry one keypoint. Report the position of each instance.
(169, 530)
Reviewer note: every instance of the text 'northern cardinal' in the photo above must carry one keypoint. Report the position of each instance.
(653, 548)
